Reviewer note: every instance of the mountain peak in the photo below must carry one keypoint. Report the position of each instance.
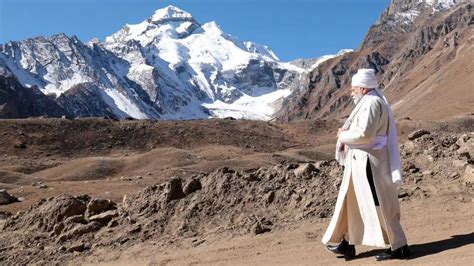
(170, 12)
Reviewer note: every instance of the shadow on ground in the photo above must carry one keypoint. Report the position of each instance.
(430, 248)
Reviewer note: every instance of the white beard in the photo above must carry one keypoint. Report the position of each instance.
(356, 99)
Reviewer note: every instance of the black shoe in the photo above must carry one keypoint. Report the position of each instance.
(399, 253)
(348, 251)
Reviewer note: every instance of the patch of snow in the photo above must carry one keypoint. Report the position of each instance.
(327, 57)
(60, 86)
(124, 104)
(169, 12)
(439, 5)
(261, 49)
(407, 17)
(255, 108)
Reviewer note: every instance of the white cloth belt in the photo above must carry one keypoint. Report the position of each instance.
(378, 143)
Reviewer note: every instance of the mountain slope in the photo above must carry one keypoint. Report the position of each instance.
(17, 101)
(422, 60)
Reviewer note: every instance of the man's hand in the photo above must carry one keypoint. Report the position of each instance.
(339, 131)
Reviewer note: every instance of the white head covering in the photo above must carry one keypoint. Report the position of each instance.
(365, 78)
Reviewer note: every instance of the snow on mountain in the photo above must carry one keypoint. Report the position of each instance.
(168, 13)
(327, 57)
(167, 67)
(207, 64)
(405, 12)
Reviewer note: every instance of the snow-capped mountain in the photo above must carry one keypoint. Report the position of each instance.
(167, 67)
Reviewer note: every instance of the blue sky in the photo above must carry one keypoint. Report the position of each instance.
(292, 28)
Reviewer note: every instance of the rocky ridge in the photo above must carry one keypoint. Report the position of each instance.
(415, 63)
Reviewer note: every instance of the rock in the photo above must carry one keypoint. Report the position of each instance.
(270, 197)
(403, 194)
(409, 147)
(43, 186)
(135, 229)
(20, 145)
(173, 189)
(460, 164)
(79, 231)
(290, 166)
(96, 206)
(226, 170)
(418, 133)
(430, 158)
(104, 217)
(466, 146)
(4, 215)
(336, 172)
(58, 228)
(463, 139)
(468, 175)
(305, 170)
(192, 186)
(198, 242)
(454, 147)
(77, 247)
(6, 198)
(296, 197)
(251, 177)
(409, 167)
(453, 175)
(258, 228)
(427, 173)
(322, 214)
(76, 219)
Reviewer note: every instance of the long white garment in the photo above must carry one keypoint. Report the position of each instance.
(391, 140)
(356, 217)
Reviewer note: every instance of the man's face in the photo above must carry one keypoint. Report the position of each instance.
(357, 93)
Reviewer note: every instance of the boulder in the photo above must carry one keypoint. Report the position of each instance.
(305, 170)
(79, 230)
(258, 228)
(418, 133)
(460, 164)
(6, 198)
(104, 217)
(96, 206)
(466, 146)
(174, 190)
(192, 186)
(468, 175)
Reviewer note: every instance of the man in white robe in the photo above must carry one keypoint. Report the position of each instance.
(367, 210)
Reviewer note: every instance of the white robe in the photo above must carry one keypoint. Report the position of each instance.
(356, 217)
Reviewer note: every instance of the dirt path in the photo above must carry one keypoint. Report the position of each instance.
(440, 230)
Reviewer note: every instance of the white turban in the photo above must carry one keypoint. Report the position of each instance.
(365, 78)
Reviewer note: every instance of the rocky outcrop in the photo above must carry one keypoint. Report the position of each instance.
(17, 101)
(412, 62)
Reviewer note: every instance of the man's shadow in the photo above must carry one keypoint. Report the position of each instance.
(425, 249)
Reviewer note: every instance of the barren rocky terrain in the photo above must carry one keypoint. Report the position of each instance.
(224, 191)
